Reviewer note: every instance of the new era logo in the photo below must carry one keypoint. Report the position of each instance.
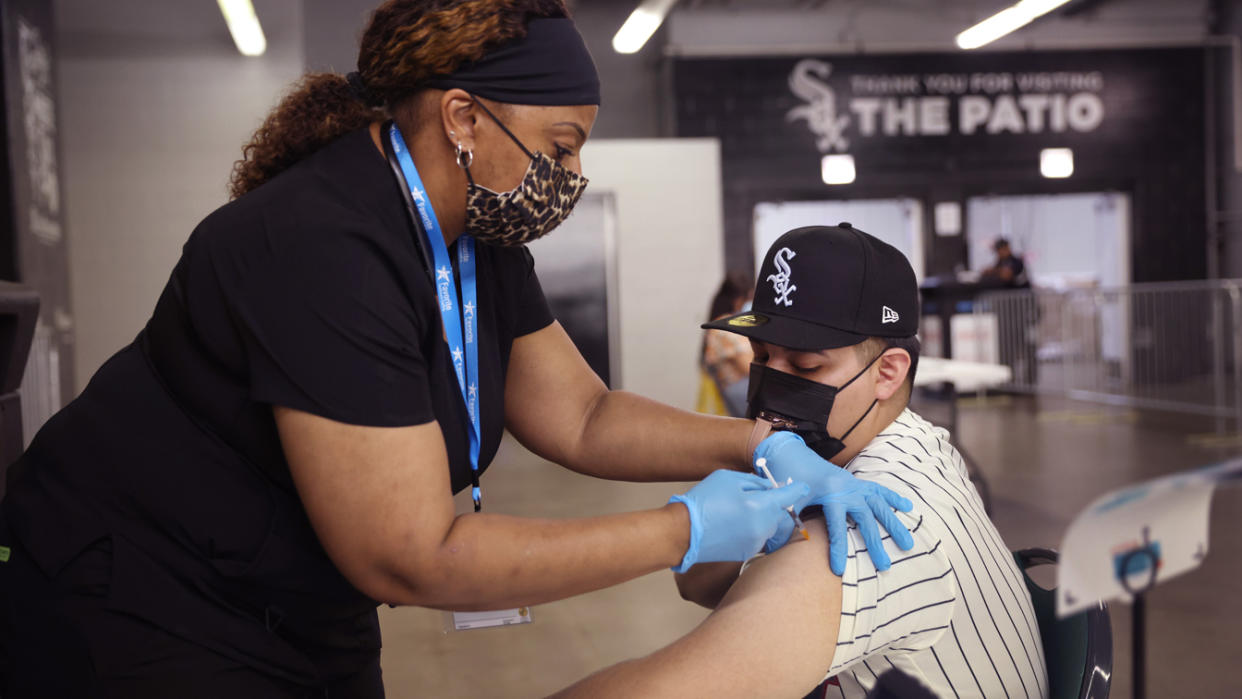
(889, 316)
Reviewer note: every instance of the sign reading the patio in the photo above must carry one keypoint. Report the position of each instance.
(867, 105)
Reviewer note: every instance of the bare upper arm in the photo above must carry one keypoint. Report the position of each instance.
(773, 635)
(780, 618)
(379, 498)
(549, 392)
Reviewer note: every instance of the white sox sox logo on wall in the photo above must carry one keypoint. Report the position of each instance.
(781, 284)
(854, 107)
(820, 110)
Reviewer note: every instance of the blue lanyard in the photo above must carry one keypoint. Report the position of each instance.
(459, 328)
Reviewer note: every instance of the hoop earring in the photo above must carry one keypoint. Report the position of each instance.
(465, 157)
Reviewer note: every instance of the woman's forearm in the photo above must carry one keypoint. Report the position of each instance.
(561, 410)
(631, 438)
(706, 584)
(490, 561)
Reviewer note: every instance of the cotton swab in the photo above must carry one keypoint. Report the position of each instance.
(762, 465)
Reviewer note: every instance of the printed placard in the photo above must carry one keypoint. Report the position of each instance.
(1137, 537)
(464, 621)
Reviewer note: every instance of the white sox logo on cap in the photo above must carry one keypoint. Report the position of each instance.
(888, 315)
(781, 284)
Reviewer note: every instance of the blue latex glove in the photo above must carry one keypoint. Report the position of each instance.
(732, 514)
(840, 494)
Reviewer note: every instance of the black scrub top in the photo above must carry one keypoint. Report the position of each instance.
(310, 293)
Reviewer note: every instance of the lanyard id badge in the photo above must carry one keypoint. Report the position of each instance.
(459, 319)
(467, 621)
(461, 334)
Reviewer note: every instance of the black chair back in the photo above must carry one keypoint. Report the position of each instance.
(1077, 649)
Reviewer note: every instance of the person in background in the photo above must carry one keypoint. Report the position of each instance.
(1015, 317)
(1009, 270)
(726, 357)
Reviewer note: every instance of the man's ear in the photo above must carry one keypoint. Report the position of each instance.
(458, 114)
(891, 369)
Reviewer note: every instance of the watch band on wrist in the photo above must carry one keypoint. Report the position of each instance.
(759, 433)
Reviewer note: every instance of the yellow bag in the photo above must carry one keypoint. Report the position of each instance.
(710, 401)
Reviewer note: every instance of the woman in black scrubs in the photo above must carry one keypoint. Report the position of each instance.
(336, 353)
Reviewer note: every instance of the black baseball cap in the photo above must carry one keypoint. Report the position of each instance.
(822, 287)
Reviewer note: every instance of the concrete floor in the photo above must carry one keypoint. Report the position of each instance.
(1045, 460)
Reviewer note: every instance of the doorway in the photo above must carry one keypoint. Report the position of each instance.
(1066, 240)
(577, 270)
(1075, 329)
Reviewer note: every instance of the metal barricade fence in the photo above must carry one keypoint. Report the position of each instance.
(1166, 346)
(40, 389)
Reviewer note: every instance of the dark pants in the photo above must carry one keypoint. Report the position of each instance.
(59, 638)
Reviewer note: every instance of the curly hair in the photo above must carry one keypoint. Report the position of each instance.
(406, 43)
(737, 286)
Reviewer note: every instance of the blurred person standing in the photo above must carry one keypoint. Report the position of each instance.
(1009, 270)
(726, 357)
(1015, 319)
(336, 353)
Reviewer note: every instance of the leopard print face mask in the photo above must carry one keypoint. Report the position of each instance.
(545, 197)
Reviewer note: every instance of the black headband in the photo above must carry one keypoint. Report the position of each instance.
(550, 66)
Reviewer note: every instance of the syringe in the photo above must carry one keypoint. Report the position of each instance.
(762, 464)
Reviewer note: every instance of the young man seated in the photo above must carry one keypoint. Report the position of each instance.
(833, 326)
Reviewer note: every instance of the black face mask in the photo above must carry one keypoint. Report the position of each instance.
(797, 405)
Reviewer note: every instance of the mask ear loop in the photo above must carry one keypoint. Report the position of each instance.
(503, 127)
(859, 420)
(863, 371)
(873, 402)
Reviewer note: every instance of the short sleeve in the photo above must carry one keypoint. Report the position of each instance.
(328, 327)
(904, 609)
(531, 311)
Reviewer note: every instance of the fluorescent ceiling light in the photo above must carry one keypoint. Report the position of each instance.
(642, 23)
(837, 169)
(1007, 20)
(1056, 162)
(244, 26)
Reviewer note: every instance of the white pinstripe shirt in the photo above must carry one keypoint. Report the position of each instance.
(953, 611)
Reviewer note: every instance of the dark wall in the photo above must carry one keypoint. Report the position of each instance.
(32, 245)
(1225, 198)
(1138, 126)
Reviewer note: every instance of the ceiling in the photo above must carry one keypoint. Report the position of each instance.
(741, 27)
(982, 6)
(155, 26)
(92, 27)
(190, 19)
